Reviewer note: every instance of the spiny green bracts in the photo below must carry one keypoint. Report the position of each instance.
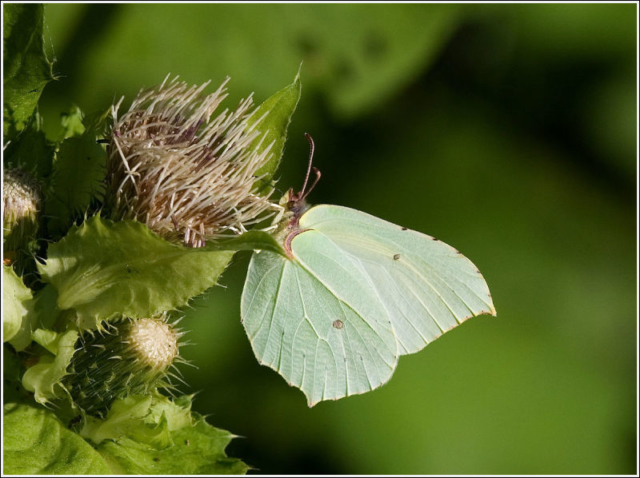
(126, 358)
(22, 200)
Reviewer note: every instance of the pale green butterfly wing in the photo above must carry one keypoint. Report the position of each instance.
(426, 286)
(316, 320)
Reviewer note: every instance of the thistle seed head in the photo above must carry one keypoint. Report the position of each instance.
(187, 175)
(128, 357)
(22, 200)
(154, 342)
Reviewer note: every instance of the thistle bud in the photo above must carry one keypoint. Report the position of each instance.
(22, 200)
(186, 175)
(131, 357)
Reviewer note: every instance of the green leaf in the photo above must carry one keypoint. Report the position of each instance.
(43, 379)
(146, 435)
(12, 371)
(36, 442)
(71, 124)
(126, 418)
(278, 109)
(79, 170)
(17, 310)
(46, 307)
(103, 269)
(31, 150)
(26, 67)
(248, 241)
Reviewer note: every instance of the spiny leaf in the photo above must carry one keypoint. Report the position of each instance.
(103, 269)
(154, 435)
(44, 378)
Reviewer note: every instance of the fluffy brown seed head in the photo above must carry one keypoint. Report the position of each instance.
(186, 174)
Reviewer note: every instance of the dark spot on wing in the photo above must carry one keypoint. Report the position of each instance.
(338, 324)
(404, 228)
(396, 257)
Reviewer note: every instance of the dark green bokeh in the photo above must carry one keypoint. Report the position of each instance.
(507, 131)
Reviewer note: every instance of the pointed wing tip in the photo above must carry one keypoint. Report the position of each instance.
(492, 308)
(310, 401)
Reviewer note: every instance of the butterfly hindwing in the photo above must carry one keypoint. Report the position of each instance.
(315, 319)
(426, 286)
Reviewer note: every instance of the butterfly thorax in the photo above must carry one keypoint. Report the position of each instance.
(295, 206)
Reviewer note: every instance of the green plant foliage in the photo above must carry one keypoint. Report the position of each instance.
(79, 170)
(154, 435)
(46, 307)
(17, 309)
(71, 124)
(36, 442)
(43, 378)
(278, 109)
(26, 67)
(31, 150)
(247, 241)
(126, 417)
(103, 269)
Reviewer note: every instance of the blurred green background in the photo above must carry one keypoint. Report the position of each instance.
(507, 131)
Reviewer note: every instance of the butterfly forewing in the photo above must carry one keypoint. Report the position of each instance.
(426, 286)
(317, 321)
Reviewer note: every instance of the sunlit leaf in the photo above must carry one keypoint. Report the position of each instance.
(35, 442)
(102, 269)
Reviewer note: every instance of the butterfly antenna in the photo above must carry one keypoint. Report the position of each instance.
(316, 171)
(312, 147)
